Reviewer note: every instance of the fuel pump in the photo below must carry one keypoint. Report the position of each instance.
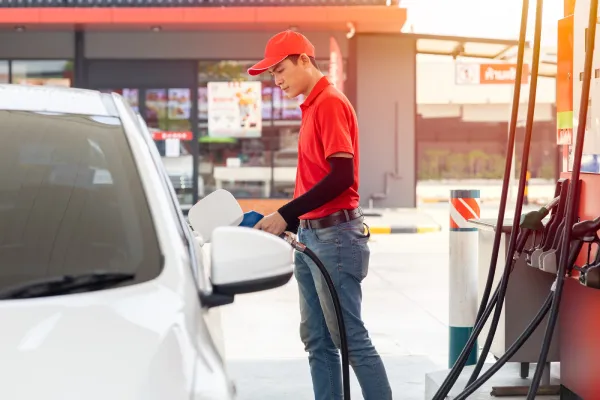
(582, 232)
(557, 239)
(497, 301)
(529, 223)
(572, 199)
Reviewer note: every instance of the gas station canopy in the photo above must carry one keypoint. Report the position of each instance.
(367, 16)
(483, 48)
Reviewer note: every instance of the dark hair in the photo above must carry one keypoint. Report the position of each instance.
(294, 58)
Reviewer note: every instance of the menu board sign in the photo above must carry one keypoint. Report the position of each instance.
(235, 109)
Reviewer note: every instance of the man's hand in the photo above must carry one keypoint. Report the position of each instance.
(272, 223)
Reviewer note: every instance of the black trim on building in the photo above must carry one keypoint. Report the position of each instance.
(79, 63)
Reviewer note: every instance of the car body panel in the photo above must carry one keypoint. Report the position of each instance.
(152, 340)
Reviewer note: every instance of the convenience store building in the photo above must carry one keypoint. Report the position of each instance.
(163, 55)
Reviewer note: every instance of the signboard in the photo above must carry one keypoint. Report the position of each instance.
(234, 109)
(564, 84)
(336, 65)
(165, 135)
(489, 74)
(172, 148)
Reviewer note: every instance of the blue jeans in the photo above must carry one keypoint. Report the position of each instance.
(344, 251)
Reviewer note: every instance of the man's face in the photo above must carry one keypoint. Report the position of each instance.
(293, 79)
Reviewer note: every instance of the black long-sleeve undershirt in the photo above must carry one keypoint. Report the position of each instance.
(340, 178)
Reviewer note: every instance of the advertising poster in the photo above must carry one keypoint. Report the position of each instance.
(235, 109)
(179, 104)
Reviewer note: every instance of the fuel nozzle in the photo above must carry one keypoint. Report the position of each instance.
(586, 232)
(586, 228)
(533, 219)
(291, 239)
(532, 222)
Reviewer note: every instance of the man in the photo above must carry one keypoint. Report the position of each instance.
(326, 210)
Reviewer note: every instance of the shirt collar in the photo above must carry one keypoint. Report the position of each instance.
(319, 87)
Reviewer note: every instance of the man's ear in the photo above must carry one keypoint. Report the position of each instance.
(305, 60)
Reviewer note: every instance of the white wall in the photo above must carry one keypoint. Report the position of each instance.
(385, 81)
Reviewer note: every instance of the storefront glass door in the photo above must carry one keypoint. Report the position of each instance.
(167, 112)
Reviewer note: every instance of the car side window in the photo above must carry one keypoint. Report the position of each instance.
(184, 228)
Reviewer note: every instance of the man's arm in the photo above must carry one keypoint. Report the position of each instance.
(340, 178)
(334, 122)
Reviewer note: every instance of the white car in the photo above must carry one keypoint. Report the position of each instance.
(105, 290)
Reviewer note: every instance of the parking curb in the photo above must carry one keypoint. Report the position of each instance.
(390, 229)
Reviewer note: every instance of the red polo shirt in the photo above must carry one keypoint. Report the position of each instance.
(329, 125)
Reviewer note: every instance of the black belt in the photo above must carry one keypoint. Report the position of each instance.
(332, 219)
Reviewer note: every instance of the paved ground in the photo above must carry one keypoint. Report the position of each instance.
(405, 308)
(387, 221)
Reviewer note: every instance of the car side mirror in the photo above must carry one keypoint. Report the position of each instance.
(245, 260)
(217, 209)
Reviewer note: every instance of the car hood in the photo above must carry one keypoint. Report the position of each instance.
(91, 346)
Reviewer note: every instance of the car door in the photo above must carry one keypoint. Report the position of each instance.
(200, 259)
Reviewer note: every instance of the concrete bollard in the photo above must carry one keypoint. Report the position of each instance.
(464, 247)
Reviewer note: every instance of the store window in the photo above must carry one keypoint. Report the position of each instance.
(248, 131)
(43, 72)
(4, 72)
(131, 96)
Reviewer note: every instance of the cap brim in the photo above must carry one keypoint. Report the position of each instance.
(264, 65)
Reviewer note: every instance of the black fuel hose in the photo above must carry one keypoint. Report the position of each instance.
(514, 117)
(530, 222)
(470, 389)
(458, 367)
(486, 308)
(523, 177)
(300, 247)
(572, 198)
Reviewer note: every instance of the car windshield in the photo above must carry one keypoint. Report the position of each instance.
(71, 200)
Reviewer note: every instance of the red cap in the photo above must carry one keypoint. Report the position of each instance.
(279, 47)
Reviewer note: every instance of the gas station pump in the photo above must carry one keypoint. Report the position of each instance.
(569, 243)
(578, 111)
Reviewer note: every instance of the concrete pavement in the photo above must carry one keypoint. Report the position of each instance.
(405, 310)
(400, 220)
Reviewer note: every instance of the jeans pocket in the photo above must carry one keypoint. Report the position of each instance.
(359, 231)
(326, 235)
(361, 254)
